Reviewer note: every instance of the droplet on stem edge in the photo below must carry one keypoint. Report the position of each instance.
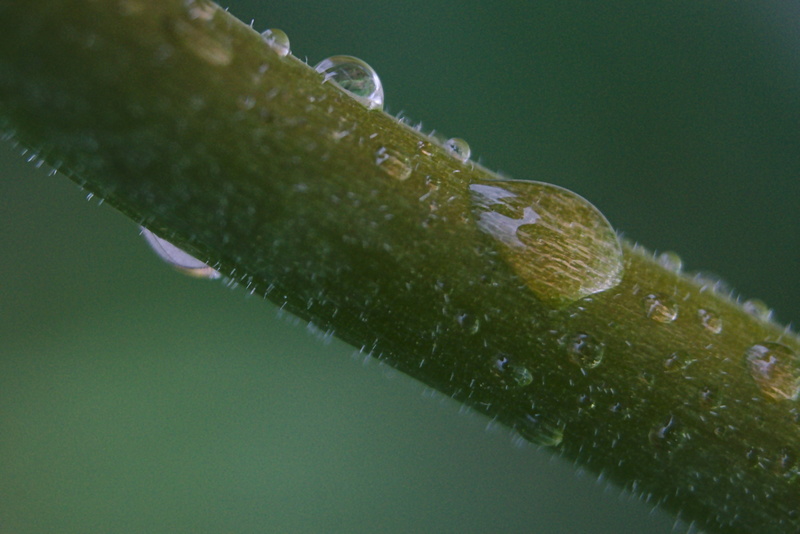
(557, 242)
(277, 40)
(177, 258)
(354, 77)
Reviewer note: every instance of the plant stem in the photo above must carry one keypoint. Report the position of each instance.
(182, 117)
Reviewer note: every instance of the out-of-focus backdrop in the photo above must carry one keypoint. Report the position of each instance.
(133, 399)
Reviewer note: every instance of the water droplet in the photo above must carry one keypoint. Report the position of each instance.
(470, 323)
(758, 308)
(355, 77)
(182, 261)
(201, 9)
(680, 360)
(559, 244)
(584, 350)
(660, 308)
(540, 431)
(393, 163)
(711, 281)
(775, 369)
(458, 148)
(510, 374)
(671, 261)
(277, 40)
(710, 320)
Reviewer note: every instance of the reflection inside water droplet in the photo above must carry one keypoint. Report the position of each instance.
(180, 260)
(555, 241)
(670, 260)
(393, 163)
(355, 77)
(277, 40)
(584, 350)
(775, 369)
(458, 148)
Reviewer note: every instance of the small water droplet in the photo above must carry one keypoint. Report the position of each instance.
(584, 350)
(671, 261)
(180, 260)
(660, 308)
(775, 369)
(710, 320)
(393, 163)
(559, 244)
(678, 361)
(758, 308)
(277, 40)
(458, 148)
(540, 431)
(201, 9)
(355, 77)
(510, 374)
(470, 323)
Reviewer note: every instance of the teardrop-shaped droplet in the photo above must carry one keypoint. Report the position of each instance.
(458, 148)
(660, 308)
(776, 370)
(180, 260)
(355, 77)
(558, 243)
(277, 40)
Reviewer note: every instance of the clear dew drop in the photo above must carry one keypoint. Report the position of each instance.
(180, 260)
(558, 243)
(355, 77)
(584, 350)
(458, 148)
(758, 308)
(393, 163)
(660, 308)
(775, 369)
(510, 374)
(671, 261)
(277, 40)
(710, 320)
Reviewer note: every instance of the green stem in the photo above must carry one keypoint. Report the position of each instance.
(513, 297)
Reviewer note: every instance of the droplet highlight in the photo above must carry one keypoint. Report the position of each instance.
(775, 369)
(180, 260)
(660, 308)
(558, 243)
(710, 320)
(277, 40)
(355, 77)
(458, 148)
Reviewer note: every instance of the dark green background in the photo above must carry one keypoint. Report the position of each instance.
(136, 400)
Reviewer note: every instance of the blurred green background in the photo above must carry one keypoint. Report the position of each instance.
(133, 399)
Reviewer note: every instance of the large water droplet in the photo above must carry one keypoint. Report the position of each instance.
(509, 373)
(660, 308)
(277, 40)
(355, 77)
(458, 148)
(180, 260)
(775, 369)
(558, 243)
